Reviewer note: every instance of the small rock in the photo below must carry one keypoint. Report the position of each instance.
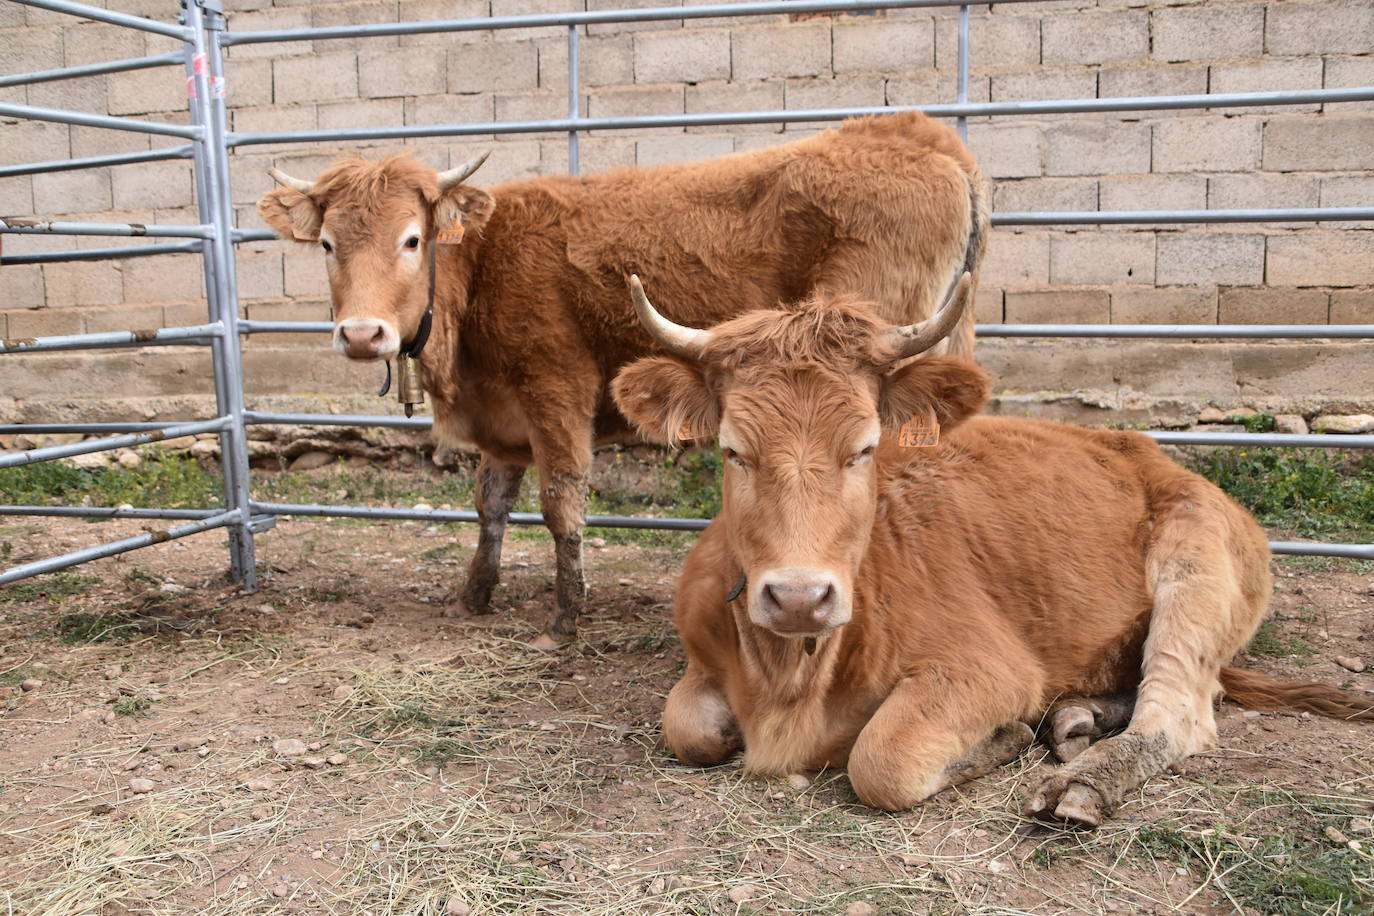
(1210, 415)
(997, 866)
(112, 671)
(309, 461)
(911, 861)
(108, 718)
(281, 681)
(90, 461)
(203, 752)
(625, 583)
(1350, 663)
(316, 745)
(1350, 423)
(30, 683)
(101, 808)
(1290, 423)
(337, 760)
(742, 892)
(280, 890)
(258, 784)
(1335, 836)
(189, 744)
(289, 747)
(859, 908)
(456, 906)
(172, 588)
(342, 691)
(596, 542)
(799, 781)
(160, 677)
(129, 460)
(423, 507)
(266, 610)
(140, 786)
(1250, 714)
(1362, 824)
(315, 763)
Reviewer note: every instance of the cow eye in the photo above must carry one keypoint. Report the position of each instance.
(328, 248)
(733, 457)
(413, 242)
(859, 457)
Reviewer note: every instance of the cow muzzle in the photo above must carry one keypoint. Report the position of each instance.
(366, 338)
(799, 602)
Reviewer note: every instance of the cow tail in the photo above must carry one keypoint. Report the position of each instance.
(1260, 691)
(980, 224)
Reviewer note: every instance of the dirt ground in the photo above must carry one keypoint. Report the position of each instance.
(332, 745)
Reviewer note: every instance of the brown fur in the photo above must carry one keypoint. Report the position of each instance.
(532, 318)
(1016, 563)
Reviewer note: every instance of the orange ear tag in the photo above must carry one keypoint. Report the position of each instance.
(920, 431)
(451, 235)
(688, 433)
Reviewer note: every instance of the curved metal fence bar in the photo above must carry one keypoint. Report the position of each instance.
(1318, 549)
(53, 452)
(114, 66)
(91, 162)
(794, 116)
(62, 116)
(108, 512)
(113, 18)
(102, 254)
(108, 550)
(17, 226)
(195, 334)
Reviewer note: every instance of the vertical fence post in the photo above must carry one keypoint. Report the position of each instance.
(205, 86)
(962, 121)
(574, 103)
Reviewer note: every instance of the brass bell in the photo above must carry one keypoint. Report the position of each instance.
(410, 386)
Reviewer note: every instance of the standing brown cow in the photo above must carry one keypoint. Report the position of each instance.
(910, 611)
(531, 319)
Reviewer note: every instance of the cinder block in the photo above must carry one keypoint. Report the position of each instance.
(507, 66)
(1267, 76)
(1342, 27)
(1182, 305)
(1260, 190)
(1008, 150)
(71, 95)
(1079, 39)
(122, 318)
(1058, 306)
(452, 109)
(185, 314)
(89, 42)
(315, 78)
(1152, 79)
(616, 28)
(248, 82)
(167, 278)
(33, 141)
(634, 100)
(1330, 143)
(1153, 192)
(1034, 85)
(1091, 258)
(752, 95)
(403, 72)
(1207, 145)
(275, 118)
(987, 305)
(878, 46)
(363, 12)
(360, 113)
(924, 87)
(25, 50)
(994, 41)
(153, 184)
(597, 154)
(1321, 257)
(21, 286)
(429, 10)
(1016, 260)
(303, 273)
(541, 104)
(1352, 306)
(510, 161)
(839, 92)
(16, 196)
(83, 283)
(259, 274)
(796, 49)
(1210, 258)
(1096, 149)
(1045, 194)
(1273, 305)
(45, 322)
(83, 191)
(683, 148)
(1207, 33)
(95, 141)
(1348, 72)
(270, 20)
(602, 61)
(682, 55)
(1347, 191)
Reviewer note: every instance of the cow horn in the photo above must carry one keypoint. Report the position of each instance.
(287, 181)
(676, 339)
(908, 340)
(454, 177)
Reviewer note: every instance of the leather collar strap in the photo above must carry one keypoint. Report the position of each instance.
(739, 587)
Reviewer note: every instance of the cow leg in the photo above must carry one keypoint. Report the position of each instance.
(1073, 723)
(498, 484)
(939, 728)
(1210, 589)
(698, 726)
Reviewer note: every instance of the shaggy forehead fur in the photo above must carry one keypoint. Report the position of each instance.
(371, 186)
(838, 333)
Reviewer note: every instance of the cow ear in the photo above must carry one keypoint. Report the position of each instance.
(667, 400)
(291, 214)
(955, 389)
(465, 205)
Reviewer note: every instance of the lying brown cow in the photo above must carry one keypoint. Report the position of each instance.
(531, 318)
(909, 612)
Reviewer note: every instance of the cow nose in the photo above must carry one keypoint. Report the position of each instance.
(361, 338)
(801, 603)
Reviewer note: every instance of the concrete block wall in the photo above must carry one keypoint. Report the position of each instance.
(1194, 159)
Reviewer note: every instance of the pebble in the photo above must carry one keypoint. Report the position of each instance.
(258, 784)
(281, 681)
(108, 718)
(337, 760)
(289, 747)
(1290, 423)
(342, 691)
(860, 908)
(1350, 423)
(172, 588)
(112, 671)
(742, 892)
(140, 786)
(596, 542)
(266, 610)
(626, 583)
(280, 890)
(316, 745)
(1350, 663)
(30, 683)
(997, 866)
(189, 744)
(456, 906)
(799, 781)
(1335, 836)
(1362, 824)
(129, 460)
(1250, 714)
(315, 763)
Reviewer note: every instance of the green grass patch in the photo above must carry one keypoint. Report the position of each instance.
(52, 589)
(1312, 492)
(133, 705)
(163, 480)
(80, 629)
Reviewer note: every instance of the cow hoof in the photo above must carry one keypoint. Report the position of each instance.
(547, 642)
(1072, 732)
(1060, 799)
